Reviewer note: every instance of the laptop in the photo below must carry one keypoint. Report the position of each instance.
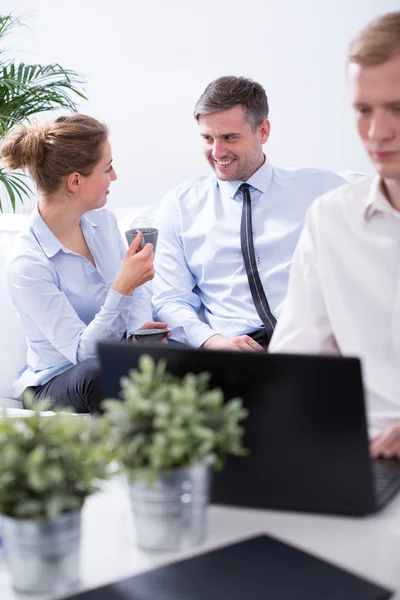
(306, 430)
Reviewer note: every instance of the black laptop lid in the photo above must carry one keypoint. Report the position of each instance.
(306, 430)
(260, 568)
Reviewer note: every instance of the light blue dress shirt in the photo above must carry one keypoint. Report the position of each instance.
(199, 263)
(66, 305)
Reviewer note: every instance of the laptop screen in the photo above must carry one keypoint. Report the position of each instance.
(306, 429)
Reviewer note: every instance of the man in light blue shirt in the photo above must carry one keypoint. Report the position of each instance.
(203, 285)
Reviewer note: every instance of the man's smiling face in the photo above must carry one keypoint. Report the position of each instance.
(230, 145)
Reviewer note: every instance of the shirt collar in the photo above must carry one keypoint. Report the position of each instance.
(376, 202)
(46, 238)
(259, 180)
(88, 227)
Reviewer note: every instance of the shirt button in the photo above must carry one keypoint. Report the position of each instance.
(258, 259)
(254, 233)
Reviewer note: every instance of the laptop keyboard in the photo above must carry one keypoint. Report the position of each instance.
(386, 478)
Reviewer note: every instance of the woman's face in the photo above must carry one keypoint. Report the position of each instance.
(95, 187)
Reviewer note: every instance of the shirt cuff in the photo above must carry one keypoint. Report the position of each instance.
(199, 334)
(118, 302)
(132, 327)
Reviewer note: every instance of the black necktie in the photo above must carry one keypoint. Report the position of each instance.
(256, 288)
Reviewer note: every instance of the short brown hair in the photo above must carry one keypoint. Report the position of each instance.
(378, 42)
(54, 151)
(226, 92)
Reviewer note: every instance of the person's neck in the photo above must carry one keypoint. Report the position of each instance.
(391, 189)
(59, 214)
(258, 166)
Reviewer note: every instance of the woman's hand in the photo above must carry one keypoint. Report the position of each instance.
(154, 325)
(136, 269)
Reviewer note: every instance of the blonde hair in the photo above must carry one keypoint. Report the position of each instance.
(54, 151)
(377, 42)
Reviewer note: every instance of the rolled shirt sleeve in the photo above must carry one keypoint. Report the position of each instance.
(174, 299)
(34, 291)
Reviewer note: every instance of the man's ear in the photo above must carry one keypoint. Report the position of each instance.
(73, 182)
(264, 130)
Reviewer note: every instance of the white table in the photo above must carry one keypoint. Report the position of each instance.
(368, 546)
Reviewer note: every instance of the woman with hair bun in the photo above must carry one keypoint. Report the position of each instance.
(70, 278)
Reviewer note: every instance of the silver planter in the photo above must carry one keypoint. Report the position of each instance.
(170, 514)
(43, 555)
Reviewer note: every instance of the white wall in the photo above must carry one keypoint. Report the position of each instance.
(146, 64)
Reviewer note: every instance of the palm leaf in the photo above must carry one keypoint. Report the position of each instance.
(15, 187)
(7, 24)
(27, 90)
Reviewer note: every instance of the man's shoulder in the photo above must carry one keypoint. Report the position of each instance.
(349, 197)
(307, 174)
(296, 173)
(307, 183)
(193, 189)
(350, 192)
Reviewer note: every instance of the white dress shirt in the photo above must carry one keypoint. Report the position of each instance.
(199, 262)
(344, 291)
(65, 303)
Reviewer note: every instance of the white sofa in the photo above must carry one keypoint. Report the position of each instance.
(12, 338)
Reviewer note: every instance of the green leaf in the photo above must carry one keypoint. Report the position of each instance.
(166, 422)
(10, 454)
(37, 457)
(27, 90)
(53, 474)
(27, 509)
(54, 506)
(50, 464)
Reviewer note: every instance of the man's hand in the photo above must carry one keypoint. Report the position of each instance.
(387, 443)
(242, 343)
(154, 325)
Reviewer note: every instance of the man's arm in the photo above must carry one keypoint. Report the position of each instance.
(304, 325)
(175, 300)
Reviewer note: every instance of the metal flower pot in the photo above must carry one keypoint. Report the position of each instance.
(170, 514)
(43, 555)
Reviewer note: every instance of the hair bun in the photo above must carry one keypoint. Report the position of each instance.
(24, 147)
(54, 150)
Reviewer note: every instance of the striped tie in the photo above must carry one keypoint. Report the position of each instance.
(256, 288)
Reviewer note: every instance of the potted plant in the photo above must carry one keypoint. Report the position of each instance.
(167, 433)
(26, 90)
(48, 466)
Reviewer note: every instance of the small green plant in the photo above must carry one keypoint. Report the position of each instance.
(167, 422)
(49, 464)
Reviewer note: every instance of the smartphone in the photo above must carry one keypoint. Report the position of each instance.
(150, 335)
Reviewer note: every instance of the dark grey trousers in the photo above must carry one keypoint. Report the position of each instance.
(262, 337)
(77, 388)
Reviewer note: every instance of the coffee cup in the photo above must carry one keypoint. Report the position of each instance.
(150, 235)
